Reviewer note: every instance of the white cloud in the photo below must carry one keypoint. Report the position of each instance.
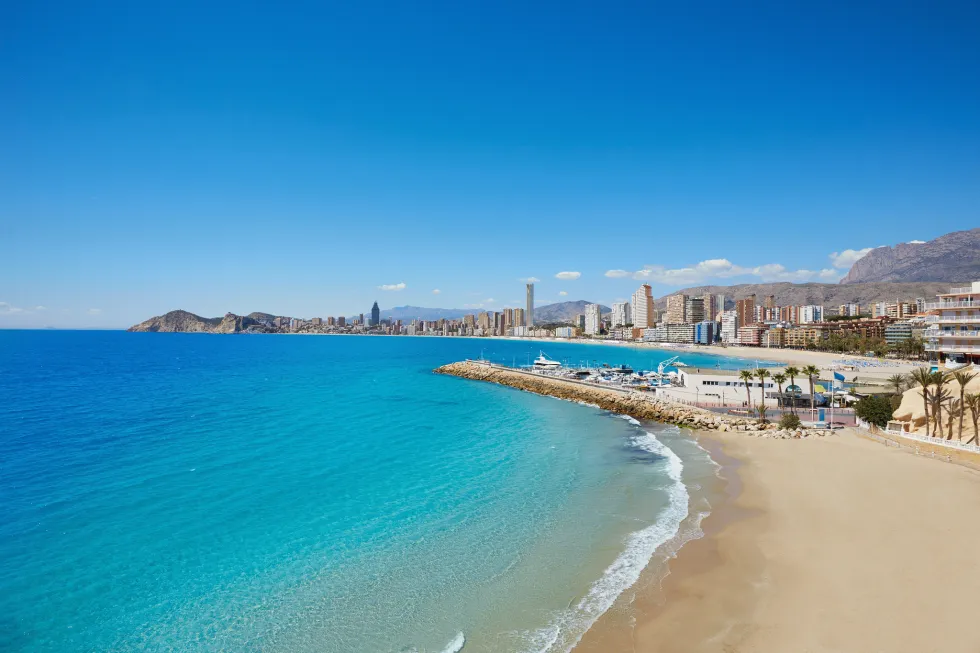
(436, 291)
(618, 274)
(721, 268)
(568, 276)
(392, 286)
(483, 304)
(917, 242)
(529, 280)
(40, 308)
(7, 309)
(562, 293)
(95, 311)
(845, 259)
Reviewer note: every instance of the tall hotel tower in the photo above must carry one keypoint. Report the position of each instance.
(529, 313)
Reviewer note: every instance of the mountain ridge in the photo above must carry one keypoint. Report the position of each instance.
(953, 257)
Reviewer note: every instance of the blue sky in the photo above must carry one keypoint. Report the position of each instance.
(235, 157)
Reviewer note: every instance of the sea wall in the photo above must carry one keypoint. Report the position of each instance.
(641, 405)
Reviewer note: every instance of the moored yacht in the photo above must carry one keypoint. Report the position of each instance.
(542, 362)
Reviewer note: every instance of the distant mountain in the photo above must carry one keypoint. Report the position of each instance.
(562, 311)
(409, 313)
(826, 294)
(184, 322)
(953, 258)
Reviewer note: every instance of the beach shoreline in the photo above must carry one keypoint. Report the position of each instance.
(813, 546)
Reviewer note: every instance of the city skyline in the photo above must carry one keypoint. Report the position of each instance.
(252, 166)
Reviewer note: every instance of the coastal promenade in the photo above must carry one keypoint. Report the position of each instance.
(641, 405)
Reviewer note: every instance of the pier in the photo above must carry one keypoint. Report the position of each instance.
(640, 405)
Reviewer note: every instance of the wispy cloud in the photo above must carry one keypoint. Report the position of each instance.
(436, 291)
(95, 311)
(562, 293)
(720, 268)
(917, 242)
(8, 309)
(529, 280)
(618, 274)
(40, 308)
(568, 276)
(845, 259)
(392, 286)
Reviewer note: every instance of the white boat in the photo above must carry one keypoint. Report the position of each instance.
(542, 362)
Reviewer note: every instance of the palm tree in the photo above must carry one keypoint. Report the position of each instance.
(812, 371)
(898, 382)
(747, 376)
(973, 403)
(792, 373)
(762, 374)
(780, 379)
(963, 377)
(923, 376)
(937, 397)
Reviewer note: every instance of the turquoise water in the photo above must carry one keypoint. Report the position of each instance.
(181, 492)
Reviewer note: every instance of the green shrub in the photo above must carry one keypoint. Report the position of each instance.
(874, 409)
(789, 421)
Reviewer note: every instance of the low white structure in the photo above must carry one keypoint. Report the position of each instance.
(708, 385)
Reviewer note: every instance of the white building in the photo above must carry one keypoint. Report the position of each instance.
(729, 326)
(565, 332)
(529, 313)
(953, 335)
(710, 385)
(621, 314)
(811, 313)
(593, 319)
(644, 313)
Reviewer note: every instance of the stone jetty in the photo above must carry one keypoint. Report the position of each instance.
(641, 405)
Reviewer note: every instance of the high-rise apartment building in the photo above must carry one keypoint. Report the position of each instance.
(676, 309)
(519, 318)
(621, 314)
(529, 315)
(375, 315)
(745, 311)
(644, 313)
(849, 310)
(593, 319)
(694, 310)
(719, 306)
(811, 313)
(789, 314)
(580, 321)
(729, 326)
(341, 321)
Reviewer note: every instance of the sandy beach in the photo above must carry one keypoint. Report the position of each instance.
(835, 544)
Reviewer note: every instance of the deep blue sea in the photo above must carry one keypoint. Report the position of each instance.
(186, 492)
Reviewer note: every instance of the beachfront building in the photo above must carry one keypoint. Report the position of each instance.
(751, 334)
(694, 310)
(565, 332)
(676, 309)
(529, 316)
(519, 317)
(593, 319)
(621, 314)
(711, 385)
(655, 334)
(745, 311)
(644, 313)
(729, 327)
(704, 332)
(898, 332)
(953, 334)
(680, 333)
(774, 337)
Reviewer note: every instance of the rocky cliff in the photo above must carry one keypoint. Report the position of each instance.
(953, 258)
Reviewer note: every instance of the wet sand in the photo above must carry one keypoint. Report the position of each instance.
(830, 544)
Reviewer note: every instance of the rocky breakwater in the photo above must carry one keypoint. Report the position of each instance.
(640, 405)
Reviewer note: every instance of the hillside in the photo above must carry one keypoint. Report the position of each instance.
(409, 313)
(827, 294)
(953, 258)
(562, 311)
(185, 322)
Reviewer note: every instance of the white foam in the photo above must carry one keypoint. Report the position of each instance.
(569, 625)
(456, 644)
(629, 419)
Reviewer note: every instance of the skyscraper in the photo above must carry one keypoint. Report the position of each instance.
(644, 314)
(375, 315)
(593, 319)
(621, 314)
(529, 314)
(694, 310)
(719, 305)
(745, 310)
(676, 309)
(519, 317)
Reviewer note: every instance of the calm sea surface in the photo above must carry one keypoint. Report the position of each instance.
(183, 492)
